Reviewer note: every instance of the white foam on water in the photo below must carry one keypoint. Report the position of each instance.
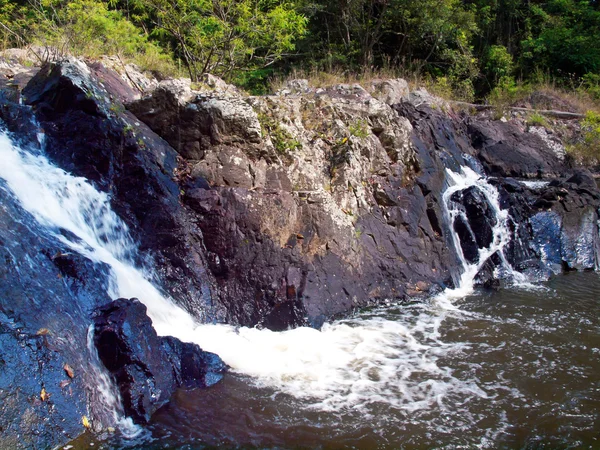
(346, 364)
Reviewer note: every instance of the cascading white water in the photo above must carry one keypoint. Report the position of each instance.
(349, 363)
(500, 232)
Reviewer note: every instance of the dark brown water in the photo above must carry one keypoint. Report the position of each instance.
(509, 369)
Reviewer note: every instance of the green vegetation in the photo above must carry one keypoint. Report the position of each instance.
(359, 128)
(587, 151)
(282, 140)
(537, 120)
(465, 49)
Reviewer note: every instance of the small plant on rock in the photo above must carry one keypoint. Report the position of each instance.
(282, 140)
(360, 128)
(537, 120)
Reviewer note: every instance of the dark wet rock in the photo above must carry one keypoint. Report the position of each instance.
(148, 368)
(506, 150)
(467, 239)
(486, 276)
(192, 367)
(480, 216)
(89, 133)
(131, 350)
(551, 227)
(45, 302)
(546, 228)
(18, 121)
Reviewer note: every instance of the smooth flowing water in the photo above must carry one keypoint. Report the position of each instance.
(518, 367)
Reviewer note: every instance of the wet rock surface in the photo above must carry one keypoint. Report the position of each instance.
(550, 223)
(148, 368)
(46, 297)
(89, 133)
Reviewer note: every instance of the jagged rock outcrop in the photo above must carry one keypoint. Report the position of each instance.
(551, 222)
(306, 202)
(89, 133)
(146, 367)
(47, 294)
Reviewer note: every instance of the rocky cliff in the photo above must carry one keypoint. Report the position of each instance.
(275, 211)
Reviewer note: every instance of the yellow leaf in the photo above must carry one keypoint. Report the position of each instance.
(85, 421)
(44, 395)
(42, 332)
(69, 370)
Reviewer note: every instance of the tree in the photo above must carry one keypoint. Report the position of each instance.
(222, 36)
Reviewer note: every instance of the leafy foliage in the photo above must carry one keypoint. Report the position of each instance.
(469, 48)
(225, 36)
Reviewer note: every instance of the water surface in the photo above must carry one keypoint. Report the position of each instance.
(506, 369)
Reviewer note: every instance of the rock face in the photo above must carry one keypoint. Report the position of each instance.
(89, 133)
(146, 367)
(306, 202)
(551, 223)
(47, 294)
(275, 211)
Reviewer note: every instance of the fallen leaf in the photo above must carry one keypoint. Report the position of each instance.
(44, 395)
(64, 383)
(299, 236)
(69, 370)
(85, 421)
(42, 332)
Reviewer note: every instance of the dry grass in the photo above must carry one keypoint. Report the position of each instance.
(440, 87)
(322, 79)
(544, 93)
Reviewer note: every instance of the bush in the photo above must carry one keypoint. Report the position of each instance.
(590, 84)
(507, 92)
(537, 120)
(587, 150)
(498, 64)
(88, 28)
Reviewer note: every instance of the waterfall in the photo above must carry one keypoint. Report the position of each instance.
(60, 201)
(348, 363)
(500, 232)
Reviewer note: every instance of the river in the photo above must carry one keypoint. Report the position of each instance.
(514, 368)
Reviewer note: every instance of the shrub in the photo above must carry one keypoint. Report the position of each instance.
(590, 84)
(587, 150)
(282, 140)
(498, 64)
(507, 92)
(537, 120)
(88, 28)
(360, 128)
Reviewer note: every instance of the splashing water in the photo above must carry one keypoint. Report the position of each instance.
(105, 394)
(349, 363)
(500, 231)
